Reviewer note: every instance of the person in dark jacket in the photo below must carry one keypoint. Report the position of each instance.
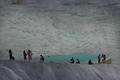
(77, 62)
(25, 55)
(10, 55)
(90, 62)
(72, 60)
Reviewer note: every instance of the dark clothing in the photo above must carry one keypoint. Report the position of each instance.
(10, 55)
(72, 60)
(104, 57)
(99, 59)
(42, 59)
(77, 62)
(89, 62)
(25, 55)
(12, 58)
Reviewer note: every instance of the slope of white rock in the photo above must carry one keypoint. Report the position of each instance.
(19, 70)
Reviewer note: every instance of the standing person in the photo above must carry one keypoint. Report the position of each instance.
(102, 57)
(29, 54)
(25, 55)
(42, 58)
(10, 54)
(77, 62)
(72, 60)
(99, 59)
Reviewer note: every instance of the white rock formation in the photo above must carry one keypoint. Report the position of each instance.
(60, 27)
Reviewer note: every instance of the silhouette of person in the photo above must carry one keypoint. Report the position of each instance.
(42, 58)
(99, 59)
(25, 55)
(77, 62)
(72, 60)
(10, 55)
(90, 62)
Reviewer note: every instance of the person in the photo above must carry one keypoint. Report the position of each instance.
(29, 53)
(102, 57)
(24, 54)
(42, 58)
(99, 59)
(90, 62)
(72, 60)
(10, 55)
(77, 62)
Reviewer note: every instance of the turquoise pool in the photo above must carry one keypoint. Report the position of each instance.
(83, 58)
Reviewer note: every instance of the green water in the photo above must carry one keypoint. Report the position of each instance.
(83, 58)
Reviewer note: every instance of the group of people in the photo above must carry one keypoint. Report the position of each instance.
(101, 58)
(78, 62)
(29, 54)
(72, 61)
